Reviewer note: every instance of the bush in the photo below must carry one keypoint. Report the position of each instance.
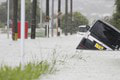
(30, 71)
(2, 25)
(73, 26)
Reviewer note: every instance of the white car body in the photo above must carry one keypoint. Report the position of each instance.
(82, 30)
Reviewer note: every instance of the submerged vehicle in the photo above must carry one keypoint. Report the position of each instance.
(101, 36)
(83, 29)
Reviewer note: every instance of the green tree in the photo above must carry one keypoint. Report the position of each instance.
(28, 9)
(28, 4)
(116, 16)
(3, 14)
(78, 19)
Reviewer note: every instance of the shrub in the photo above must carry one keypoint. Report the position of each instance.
(30, 71)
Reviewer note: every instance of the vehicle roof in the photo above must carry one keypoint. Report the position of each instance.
(82, 26)
(108, 25)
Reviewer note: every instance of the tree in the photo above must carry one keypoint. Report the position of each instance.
(79, 19)
(28, 12)
(3, 13)
(116, 16)
(28, 5)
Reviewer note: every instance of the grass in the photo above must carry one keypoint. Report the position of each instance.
(31, 71)
(54, 61)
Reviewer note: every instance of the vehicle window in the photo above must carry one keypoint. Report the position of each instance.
(83, 29)
(105, 34)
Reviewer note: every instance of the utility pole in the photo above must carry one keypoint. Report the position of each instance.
(33, 26)
(59, 12)
(52, 18)
(47, 19)
(15, 15)
(71, 13)
(71, 9)
(11, 10)
(8, 17)
(58, 18)
(22, 30)
(66, 16)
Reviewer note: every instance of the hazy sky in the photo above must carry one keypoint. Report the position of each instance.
(90, 8)
(93, 9)
(2, 1)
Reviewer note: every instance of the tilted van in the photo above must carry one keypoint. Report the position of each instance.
(101, 36)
